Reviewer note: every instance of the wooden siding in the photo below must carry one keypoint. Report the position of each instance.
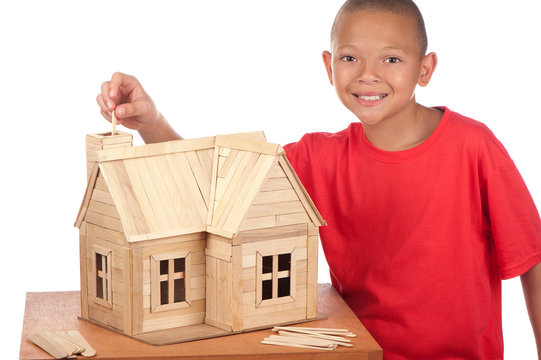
(84, 271)
(275, 204)
(118, 314)
(292, 308)
(219, 280)
(195, 312)
(102, 218)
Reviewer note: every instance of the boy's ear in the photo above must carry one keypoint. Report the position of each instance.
(428, 66)
(327, 60)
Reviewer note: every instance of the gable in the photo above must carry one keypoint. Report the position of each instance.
(278, 203)
(101, 208)
(275, 203)
(256, 189)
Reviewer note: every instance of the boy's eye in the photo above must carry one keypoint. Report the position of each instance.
(348, 58)
(392, 60)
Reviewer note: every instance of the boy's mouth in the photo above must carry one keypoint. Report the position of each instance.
(370, 97)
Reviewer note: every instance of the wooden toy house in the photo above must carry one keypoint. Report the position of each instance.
(195, 238)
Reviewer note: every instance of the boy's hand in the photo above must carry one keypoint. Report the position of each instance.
(133, 106)
(134, 109)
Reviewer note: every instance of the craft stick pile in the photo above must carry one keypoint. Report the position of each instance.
(62, 344)
(310, 338)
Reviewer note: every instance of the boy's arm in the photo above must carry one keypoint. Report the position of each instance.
(134, 109)
(159, 131)
(531, 285)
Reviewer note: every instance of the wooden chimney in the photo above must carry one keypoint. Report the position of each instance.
(95, 142)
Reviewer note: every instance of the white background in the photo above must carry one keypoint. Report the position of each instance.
(218, 67)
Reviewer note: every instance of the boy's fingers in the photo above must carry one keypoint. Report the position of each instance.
(136, 108)
(105, 115)
(101, 103)
(114, 84)
(106, 99)
(121, 80)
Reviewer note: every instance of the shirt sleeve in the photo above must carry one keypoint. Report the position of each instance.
(514, 221)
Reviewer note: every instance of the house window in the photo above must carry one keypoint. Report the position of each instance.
(170, 281)
(172, 284)
(276, 269)
(102, 273)
(275, 278)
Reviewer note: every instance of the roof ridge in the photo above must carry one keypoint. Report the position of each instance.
(162, 148)
(241, 143)
(249, 141)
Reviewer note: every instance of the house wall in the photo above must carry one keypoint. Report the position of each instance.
(102, 232)
(116, 310)
(291, 239)
(83, 271)
(277, 222)
(102, 216)
(276, 204)
(219, 272)
(145, 318)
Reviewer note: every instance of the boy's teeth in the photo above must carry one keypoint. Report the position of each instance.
(371, 98)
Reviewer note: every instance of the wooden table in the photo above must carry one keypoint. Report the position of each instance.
(59, 310)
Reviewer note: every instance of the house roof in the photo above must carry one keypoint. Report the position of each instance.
(186, 186)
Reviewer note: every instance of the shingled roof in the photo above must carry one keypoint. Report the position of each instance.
(187, 186)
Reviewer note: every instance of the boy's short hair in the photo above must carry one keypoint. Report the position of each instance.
(405, 8)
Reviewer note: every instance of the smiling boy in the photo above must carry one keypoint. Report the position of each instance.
(426, 212)
(375, 69)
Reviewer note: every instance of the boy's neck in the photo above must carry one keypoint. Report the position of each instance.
(405, 130)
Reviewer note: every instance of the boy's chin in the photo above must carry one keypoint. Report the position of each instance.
(369, 121)
(369, 118)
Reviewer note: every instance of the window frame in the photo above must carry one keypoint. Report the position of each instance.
(274, 276)
(106, 277)
(156, 278)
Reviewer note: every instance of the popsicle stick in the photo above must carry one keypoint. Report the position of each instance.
(311, 329)
(329, 331)
(65, 341)
(88, 350)
(62, 344)
(333, 339)
(295, 345)
(49, 345)
(113, 123)
(321, 336)
(301, 340)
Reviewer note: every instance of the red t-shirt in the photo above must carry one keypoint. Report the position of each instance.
(418, 241)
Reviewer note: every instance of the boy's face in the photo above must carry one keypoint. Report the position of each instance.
(376, 64)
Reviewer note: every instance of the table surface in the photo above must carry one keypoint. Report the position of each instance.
(56, 311)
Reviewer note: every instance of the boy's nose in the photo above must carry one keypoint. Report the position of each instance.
(368, 74)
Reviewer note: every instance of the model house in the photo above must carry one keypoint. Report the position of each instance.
(195, 238)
